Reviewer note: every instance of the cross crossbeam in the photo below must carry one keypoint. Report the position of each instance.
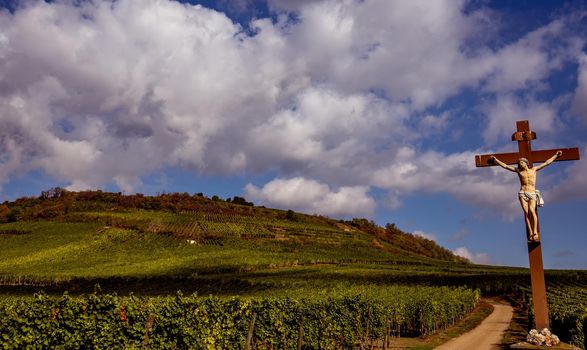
(537, 156)
(524, 137)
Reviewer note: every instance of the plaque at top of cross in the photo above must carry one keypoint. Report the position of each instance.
(530, 199)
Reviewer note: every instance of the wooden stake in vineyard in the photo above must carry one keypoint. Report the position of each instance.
(530, 199)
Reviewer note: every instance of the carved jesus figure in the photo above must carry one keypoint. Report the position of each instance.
(528, 195)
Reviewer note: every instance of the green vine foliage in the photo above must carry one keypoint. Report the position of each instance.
(108, 321)
(567, 309)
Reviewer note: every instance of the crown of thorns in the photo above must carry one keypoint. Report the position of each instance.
(524, 160)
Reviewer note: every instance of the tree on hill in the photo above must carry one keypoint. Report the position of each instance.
(290, 215)
(55, 192)
(4, 212)
(239, 201)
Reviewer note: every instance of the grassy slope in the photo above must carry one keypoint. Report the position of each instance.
(57, 251)
(80, 239)
(89, 250)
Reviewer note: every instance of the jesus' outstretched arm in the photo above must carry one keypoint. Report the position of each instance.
(549, 160)
(502, 164)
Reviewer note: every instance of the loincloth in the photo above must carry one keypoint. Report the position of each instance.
(535, 196)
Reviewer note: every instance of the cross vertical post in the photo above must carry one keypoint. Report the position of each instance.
(524, 137)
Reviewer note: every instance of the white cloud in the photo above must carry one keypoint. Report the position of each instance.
(324, 131)
(10, 159)
(580, 97)
(141, 85)
(477, 258)
(423, 234)
(289, 5)
(574, 184)
(433, 172)
(392, 200)
(507, 109)
(311, 196)
(527, 61)
(388, 45)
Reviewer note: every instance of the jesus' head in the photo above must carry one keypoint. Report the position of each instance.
(523, 163)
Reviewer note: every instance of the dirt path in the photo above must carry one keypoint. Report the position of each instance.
(487, 336)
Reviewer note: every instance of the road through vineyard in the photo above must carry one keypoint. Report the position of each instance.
(486, 336)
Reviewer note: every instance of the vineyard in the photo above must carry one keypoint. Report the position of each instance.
(259, 276)
(568, 313)
(107, 321)
(212, 228)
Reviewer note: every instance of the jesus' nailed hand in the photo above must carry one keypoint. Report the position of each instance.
(528, 195)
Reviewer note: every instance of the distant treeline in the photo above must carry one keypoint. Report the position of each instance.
(58, 202)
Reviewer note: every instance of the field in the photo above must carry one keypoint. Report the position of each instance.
(269, 275)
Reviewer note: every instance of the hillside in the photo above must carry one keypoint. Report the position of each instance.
(211, 221)
(93, 236)
(82, 242)
(73, 240)
(155, 214)
(65, 240)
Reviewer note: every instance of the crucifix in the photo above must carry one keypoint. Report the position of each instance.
(530, 199)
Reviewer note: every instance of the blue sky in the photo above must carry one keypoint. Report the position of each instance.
(344, 108)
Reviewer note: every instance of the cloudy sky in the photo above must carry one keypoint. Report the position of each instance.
(345, 108)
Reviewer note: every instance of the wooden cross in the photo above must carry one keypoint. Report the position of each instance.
(524, 137)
